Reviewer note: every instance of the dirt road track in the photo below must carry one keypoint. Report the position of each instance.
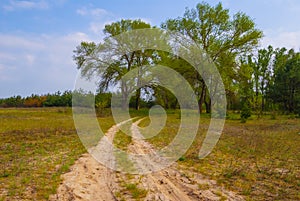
(89, 180)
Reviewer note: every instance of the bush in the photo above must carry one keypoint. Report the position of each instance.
(245, 112)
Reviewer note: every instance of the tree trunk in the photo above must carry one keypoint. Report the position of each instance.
(208, 106)
(291, 99)
(124, 95)
(166, 99)
(137, 99)
(262, 103)
(262, 97)
(124, 101)
(201, 99)
(207, 102)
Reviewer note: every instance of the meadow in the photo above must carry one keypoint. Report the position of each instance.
(37, 146)
(259, 159)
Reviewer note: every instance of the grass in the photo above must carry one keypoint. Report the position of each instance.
(167, 134)
(259, 159)
(135, 191)
(123, 137)
(37, 146)
(130, 188)
(121, 141)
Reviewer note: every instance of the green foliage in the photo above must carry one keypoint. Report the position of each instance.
(59, 99)
(245, 112)
(165, 98)
(135, 191)
(262, 75)
(245, 85)
(120, 60)
(222, 37)
(15, 101)
(286, 82)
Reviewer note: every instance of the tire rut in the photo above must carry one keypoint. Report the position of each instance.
(90, 180)
(171, 183)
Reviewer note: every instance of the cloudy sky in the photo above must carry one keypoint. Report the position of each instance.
(37, 37)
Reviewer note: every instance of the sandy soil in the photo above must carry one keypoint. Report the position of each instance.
(89, 180)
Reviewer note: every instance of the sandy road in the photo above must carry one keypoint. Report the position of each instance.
(171, 183)
(89, 180)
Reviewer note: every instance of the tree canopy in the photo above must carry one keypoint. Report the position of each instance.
(255, 79)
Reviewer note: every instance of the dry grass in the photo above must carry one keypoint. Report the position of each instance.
(259, 159)
(37, 146)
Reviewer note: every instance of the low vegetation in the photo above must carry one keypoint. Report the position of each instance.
(37, 146)
(259, 159)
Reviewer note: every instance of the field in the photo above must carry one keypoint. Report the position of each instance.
(260, 159)
(37, 146)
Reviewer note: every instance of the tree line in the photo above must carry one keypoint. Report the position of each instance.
(57, 99)
(64, 99)
(269, 81)
(256, 80)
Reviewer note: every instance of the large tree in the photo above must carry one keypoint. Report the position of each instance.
(223, 37)
(285, 88)
(111, 60)
(262, 65)
(245, 87)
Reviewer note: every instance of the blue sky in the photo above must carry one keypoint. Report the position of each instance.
(37, 37)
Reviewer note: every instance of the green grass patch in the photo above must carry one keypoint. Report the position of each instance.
(37, 146)
(135, 191)
(259, 159)
(121, 141)
(123, 137)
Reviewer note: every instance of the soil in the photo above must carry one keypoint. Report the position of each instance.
(90, 180)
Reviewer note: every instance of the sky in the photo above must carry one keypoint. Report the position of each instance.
(37, 37)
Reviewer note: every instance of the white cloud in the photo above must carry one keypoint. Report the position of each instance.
(12, 41)
(4, 56)
(82, 11)
(282, 39)
(30, 59)
(98, 18)
(97, 28)
(94, 12)
(77, 37)
(38, 64)
(14, 5)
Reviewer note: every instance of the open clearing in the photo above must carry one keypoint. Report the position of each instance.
(258, 160)
(89, 180)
